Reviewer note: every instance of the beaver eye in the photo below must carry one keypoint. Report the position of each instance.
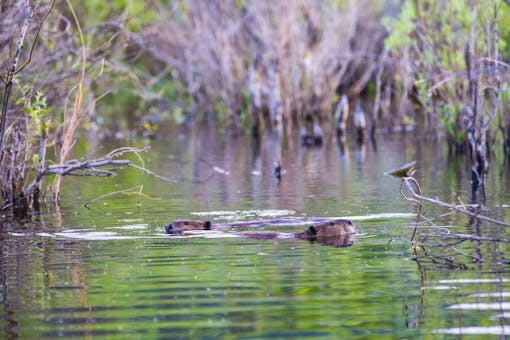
(186, 223)
(331, 223)
(350, 223)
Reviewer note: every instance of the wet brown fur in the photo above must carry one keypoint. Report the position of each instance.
(338, 233)
(179, 226)
(327, 229)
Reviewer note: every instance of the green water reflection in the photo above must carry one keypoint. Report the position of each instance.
(152, 286)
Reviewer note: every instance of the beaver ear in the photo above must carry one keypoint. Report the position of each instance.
(312, 230)
(207, 225)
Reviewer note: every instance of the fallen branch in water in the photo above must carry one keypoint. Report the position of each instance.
(91, 167)
(466, 237)
(415, 197)
(444, 244)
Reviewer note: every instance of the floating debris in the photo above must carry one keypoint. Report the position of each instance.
(221, 171)
(403, 171)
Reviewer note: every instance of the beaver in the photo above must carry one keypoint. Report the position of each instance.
(338, 233)
(177, 227)
(246, 224)
(332, 228)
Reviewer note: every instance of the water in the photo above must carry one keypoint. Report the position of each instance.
(107, 269)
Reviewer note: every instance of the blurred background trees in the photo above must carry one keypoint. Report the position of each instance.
(248, 65)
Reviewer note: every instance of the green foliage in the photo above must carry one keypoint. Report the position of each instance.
(447, 114)
(178, 115)
(136, 12)
(434, 34)
(400, 29)
(504, 31)
(244, 116)
(221, 110)
(37, 109)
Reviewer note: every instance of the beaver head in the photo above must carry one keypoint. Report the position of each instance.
(177, 227)
(331, 229)
(338, 233)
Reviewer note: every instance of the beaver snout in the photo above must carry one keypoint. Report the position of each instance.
(177, 227)
(169, 229)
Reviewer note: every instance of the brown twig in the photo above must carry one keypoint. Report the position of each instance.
(8, 81)
(419, 201)
(35, 39)
(415, 197)
(90, 168)
(472, 237)
(135, 190)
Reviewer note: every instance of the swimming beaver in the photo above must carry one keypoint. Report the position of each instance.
(337, 232)
(327, 229)
(246, 224)
(177, 227)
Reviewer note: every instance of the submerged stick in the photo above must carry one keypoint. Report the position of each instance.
(138, 190)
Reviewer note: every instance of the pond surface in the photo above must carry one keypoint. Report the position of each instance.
(101, 265)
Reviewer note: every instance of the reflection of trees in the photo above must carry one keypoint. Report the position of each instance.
(29, 278)
(440, 252)
(10, 324)
(16, 275)
(306, 171)
(443, 281)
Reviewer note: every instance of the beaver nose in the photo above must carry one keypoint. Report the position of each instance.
(169, 228)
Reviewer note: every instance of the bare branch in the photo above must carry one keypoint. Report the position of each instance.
(420, 205)
(90, 168)
(35, 39)
(472, 237)
(418, 197)
(29, 12)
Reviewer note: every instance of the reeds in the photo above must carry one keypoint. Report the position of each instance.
(257, 63)
(284, 59)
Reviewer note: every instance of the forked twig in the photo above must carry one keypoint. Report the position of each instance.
(418, 197)
(90, 167)
(417, 200)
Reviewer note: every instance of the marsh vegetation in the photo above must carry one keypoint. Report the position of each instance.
(247, 66)
(244, 109)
